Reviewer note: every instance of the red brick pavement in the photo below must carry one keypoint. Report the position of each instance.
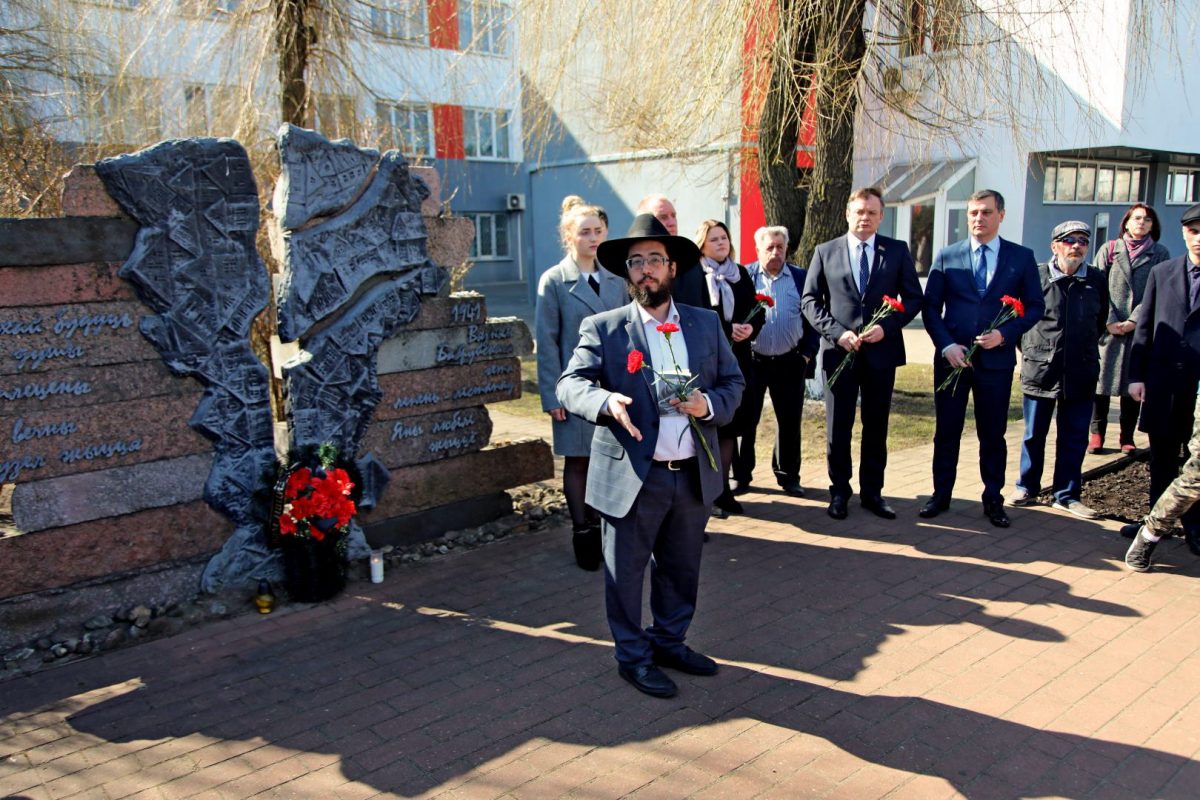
(860, 659)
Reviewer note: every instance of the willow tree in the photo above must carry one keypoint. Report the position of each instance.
(680, 77)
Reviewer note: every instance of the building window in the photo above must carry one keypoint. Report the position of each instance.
(210, 110)
(926, 27)
(334, 114)
(406, 127)
(485, 133)
(1093, 182)
(483, 26)
(125, 111)
(207, 8)
(1183, 186)
(404, 20)
(491, 236)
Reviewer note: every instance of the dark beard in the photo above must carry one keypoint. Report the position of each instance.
(647, 298)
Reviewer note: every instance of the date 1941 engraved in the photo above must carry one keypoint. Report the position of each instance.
(467, 312)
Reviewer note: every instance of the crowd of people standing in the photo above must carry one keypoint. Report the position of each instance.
(667, 391)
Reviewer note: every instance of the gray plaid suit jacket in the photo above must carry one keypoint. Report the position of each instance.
(619, 463)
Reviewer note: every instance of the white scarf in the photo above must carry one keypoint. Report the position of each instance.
(718, 277)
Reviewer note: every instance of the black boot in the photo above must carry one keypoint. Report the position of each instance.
(588, 549)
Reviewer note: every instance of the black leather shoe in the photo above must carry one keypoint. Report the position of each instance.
(1131, 530)
(996, 514)
(879, 507)
(837, 508)
(728, 503)
(588, 547)
(741, 487)
(688, 661)
(933, 507)
(792, 488)
(649, 680)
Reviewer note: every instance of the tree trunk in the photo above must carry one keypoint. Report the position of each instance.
(840, 49)
(294, 35)
(779, 131)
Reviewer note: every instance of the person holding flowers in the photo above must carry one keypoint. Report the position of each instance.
(731, 295)
(652, 474)
(861, 290)
(963, 299)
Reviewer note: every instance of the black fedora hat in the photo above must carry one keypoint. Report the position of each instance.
(682, 251)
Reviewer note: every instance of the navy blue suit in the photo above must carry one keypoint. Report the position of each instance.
(1165, 355)
(833, 305)
(954, 313)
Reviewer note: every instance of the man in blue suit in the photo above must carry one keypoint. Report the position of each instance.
(650, 476)
(846, 284)
(962, 299)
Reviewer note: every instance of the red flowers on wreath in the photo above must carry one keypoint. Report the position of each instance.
(635, 361)
(317, 501)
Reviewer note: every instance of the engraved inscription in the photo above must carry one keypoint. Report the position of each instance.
(44, 389)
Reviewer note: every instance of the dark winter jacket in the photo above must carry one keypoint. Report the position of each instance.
(1060, 355)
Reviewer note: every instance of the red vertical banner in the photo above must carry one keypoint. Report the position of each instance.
(443, 24)
(756, 77)
(448, 131)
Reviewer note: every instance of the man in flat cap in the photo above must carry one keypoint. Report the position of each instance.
(1164, 362)
(650, 476)
(1060, 363)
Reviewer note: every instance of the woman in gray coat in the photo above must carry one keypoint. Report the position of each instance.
(1126, 262)
(571, 290)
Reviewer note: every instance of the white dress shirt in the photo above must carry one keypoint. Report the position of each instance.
(854, 248)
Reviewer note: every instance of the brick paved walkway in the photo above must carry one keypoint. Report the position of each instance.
(860, 659)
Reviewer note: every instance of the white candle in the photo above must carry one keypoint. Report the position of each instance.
(376, 566)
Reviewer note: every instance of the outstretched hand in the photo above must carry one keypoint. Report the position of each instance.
(617, 409)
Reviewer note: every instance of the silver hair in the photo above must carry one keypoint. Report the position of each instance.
(762, 233)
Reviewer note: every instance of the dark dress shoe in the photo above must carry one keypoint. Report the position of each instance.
(837, 508)
(741, 487)
(933, 507)
(1131, 530)
(649, 680)
(589, 550)
(792, 488)
(728, 503)
(879, 507)
(688, 661)
(996, 514)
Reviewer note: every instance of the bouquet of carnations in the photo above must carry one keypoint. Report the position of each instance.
(1010, 308)
(890, 306)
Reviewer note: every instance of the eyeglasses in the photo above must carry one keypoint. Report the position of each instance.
(1072, 241)
(638, 262)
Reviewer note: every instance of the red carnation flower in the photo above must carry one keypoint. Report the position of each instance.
(287, 524)
(668, 328)
(896, 305)
(765, 299)
(1016, 305)
(636, 359)
(297, 482)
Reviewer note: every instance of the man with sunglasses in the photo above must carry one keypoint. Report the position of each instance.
(650, 476)
(1060, 363)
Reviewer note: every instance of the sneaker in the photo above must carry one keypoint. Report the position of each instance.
(1021, 497)
(1077, 508)
(1137, 557)
(1095, 443)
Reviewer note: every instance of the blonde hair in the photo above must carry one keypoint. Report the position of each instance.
(575, 208)
(705, 228)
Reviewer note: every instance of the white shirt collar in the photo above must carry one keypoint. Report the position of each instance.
(855, 241)
(993, 246)
(672, 315)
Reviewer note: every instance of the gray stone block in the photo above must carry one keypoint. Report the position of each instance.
(317, 177)
(501, 337)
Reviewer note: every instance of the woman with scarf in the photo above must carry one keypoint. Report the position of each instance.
(731, 295)
(1126, 262)
(571, 290)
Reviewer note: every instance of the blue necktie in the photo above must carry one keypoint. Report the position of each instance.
(864, 269)
(981, 271)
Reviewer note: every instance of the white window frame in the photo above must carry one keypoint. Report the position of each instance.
(1053, 165)
(483, 26)
(499, 120)
(1192, 177)
(403, 21)
(478, 243)
(344, 103)
(398, 120)
(933, 35)
(128, 112)
(219, 104)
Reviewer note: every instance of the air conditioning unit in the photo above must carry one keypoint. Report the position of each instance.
(516, 202)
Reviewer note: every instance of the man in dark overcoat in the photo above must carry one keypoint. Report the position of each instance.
(650, 476)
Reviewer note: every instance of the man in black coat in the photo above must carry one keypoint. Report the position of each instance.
(1164, 360)
(847, 281)
(689, 288)
(1060, 363)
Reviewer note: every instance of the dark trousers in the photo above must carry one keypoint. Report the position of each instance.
(783, 377)
(1166, 447)
(1069, 446)
(665, 528)
(874, 386)
(990, 389)
(1129, 416)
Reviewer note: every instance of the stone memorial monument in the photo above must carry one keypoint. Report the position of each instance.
(138, 422)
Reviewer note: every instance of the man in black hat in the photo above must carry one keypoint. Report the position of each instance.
(1060, 363)
(1164, 360)
(650, 474)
